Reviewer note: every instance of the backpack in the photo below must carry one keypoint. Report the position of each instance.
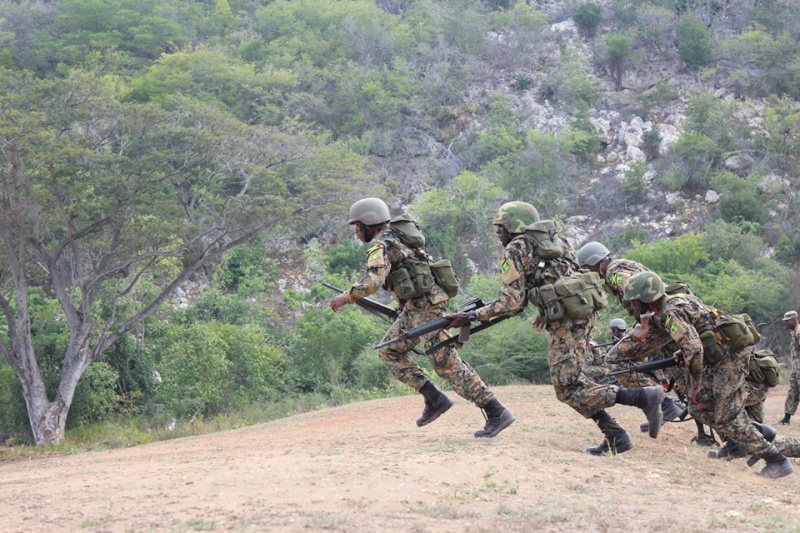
(764, 368)
(420, 272)
(544, 239)
(408, 231)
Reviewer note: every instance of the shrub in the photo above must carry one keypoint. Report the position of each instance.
(587, 17)
(694, 41)
(651, 143)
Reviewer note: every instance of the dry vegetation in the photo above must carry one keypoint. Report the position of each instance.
(366, 467)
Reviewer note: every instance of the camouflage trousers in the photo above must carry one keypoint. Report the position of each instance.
(568, 346)
(788, 446)
(445, 362)
(721, 402)
(793, 398)
(754, 401)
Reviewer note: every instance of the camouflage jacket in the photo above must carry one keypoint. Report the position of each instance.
(385, 254)
(683, 317)
(618, 272)
(521, 271)
(795, 350)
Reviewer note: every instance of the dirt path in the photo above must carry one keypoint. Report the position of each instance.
(367, 467)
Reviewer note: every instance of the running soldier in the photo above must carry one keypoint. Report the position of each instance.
(536, 264)
(387, 257)
(793, 398)
(715, 372)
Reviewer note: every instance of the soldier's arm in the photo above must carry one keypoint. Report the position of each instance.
(512, 296)
(688, 340)
(373, 276)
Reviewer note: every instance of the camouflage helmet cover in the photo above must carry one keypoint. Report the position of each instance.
(591, 253)
(369, 211)
(516, 216)
(618, 323)
(646, 287)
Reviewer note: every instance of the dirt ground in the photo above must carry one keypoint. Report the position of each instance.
(367, 467)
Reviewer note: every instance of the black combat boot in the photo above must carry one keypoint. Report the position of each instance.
(768, 433)
(616, 439)
(670, 410)
(729, 450)
(785, 421)
(436, 404)
(648, 399)
(777, 464)
(498, 418)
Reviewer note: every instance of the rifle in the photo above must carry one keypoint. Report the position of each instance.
(441, 323)
(376, 308)
(384, 312)
(643, 367)
(609, 343)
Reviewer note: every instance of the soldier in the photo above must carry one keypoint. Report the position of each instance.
(715, 373)
(618, 328)
(533, 267)
(596, 257)
(386, 257)
(793, 398)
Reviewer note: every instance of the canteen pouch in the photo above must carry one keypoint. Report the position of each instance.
(736, 332)
(752, 327)
(712, 351)
(445, 276)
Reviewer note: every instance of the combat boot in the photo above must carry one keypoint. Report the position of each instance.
(670, 410)
(648, 399)
(777, 465)
(498, 418)
(786, 420)
(769, 433)
(436, 404)
(729, 450)
(617, 440)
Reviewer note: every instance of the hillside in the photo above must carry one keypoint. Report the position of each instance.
(366, 467)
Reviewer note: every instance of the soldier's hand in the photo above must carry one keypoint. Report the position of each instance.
(338, 302)
(639, 333)
(460, 319)
(678, 356)
(539, 323)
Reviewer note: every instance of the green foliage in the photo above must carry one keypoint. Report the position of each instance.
(247, 270)
(739, 242)
(345, 258)
(672, 259)
(618, 50)
(695, 44)
(651, 143)
(13, 414)
(96, 397)
(194, 369)
(707, 115)
(587, 17)
(741, 200)
(326, 346)
(692, 161)
(634, 185)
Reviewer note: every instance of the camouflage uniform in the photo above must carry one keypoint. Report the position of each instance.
(385, 254)
(569, 339)
(721, 398)
(793, 398)
(754, 400)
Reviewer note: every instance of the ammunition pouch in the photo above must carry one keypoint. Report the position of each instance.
(412, 281)
(574, 297)
(445, 276)
(712, 349)
(764, 368)
(736, 331)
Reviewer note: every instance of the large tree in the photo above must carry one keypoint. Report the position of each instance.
(99, 195)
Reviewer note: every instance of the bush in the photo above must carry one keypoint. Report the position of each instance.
(587, 17)
(651, 143)
(739, 242)
(96, 396)
(695, 45)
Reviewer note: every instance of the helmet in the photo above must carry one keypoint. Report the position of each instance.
(516, 216)
(618, 323)
(646, 287)
(591, 253)
(369, 211)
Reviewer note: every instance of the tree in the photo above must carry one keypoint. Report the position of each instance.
(618, 49)
(587, 17)
(695, 44)
(110, 206)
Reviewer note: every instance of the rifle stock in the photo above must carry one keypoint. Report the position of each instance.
(645, 367)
